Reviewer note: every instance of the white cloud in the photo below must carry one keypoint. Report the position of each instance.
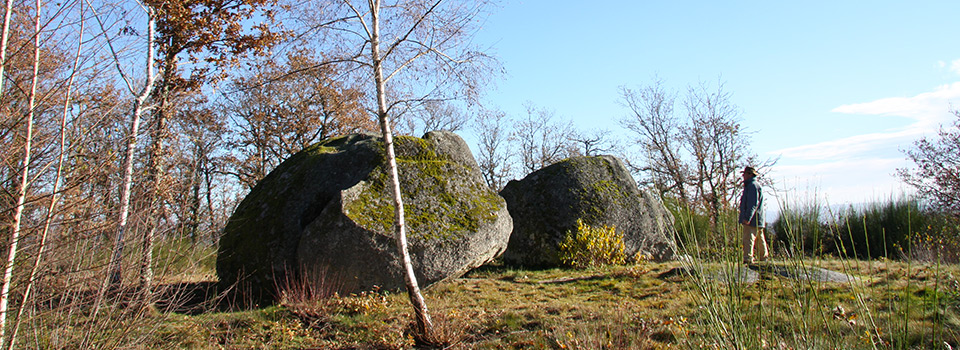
(928, 107)
(954, 66)
(839, 169)
(860, 168)
(927, 110)
(841, 182)
(847, 147)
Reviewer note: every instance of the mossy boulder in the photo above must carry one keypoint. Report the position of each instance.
(325, 217)
(546, 205)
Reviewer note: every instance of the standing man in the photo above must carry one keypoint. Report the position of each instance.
(751, 217)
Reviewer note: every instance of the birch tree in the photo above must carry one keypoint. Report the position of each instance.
(424, 325)
(5, 39)
(24, 180)
(55, 195)
(141, 95)
(413, 52)
(212, 35)
(12, 247)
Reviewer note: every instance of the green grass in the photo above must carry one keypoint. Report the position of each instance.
(895, 228)
(699, 301)
(904, 304)
(892, 304)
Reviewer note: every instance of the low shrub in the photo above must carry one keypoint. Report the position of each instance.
(881, 229)
(698, 234)
(938, 241)
(801, 231)
(901, 228)
(592, 246)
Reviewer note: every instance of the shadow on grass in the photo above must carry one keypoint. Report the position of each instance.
(190, 298)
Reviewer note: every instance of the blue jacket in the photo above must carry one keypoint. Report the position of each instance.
(751, 203)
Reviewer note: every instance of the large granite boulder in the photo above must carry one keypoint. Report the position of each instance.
(325, 216)
(546, 205)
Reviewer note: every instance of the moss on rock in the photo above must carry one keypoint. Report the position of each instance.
(434, 207)
(445, 200)
(548, 203)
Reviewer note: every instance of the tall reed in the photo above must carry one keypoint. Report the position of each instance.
(751, 307)
(881, 229)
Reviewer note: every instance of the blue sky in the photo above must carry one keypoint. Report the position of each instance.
(835, 88)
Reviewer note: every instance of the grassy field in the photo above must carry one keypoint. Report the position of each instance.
(673, 305)
(704, 300)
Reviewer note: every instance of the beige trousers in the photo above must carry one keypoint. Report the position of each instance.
(753, 237)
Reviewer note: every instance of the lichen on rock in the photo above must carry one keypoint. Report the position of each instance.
(444, 204)
(329, 208)
(547, 204)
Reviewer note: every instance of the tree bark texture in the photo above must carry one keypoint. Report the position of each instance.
(55, 193)
(139, 105)
(12, 246)
(4, 40)
(424, 324)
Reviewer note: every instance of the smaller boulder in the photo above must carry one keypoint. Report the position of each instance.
(546, 205)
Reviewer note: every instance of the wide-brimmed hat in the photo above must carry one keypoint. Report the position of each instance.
(750, 170)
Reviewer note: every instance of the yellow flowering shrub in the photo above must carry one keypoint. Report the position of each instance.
(592, 246)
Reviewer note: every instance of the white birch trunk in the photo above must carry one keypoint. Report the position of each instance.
(155, 174)
(114, 275)
(413, 289)
(146, 263)
(12, 246)
(55, 196)
(138, 108)
(4, 40)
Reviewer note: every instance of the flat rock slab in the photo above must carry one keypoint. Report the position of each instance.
(739, 274)
(752, 273)
(804, 273)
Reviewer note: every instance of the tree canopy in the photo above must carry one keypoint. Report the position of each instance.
(936, 175)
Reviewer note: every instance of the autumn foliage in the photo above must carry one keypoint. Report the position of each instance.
(280, 108)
